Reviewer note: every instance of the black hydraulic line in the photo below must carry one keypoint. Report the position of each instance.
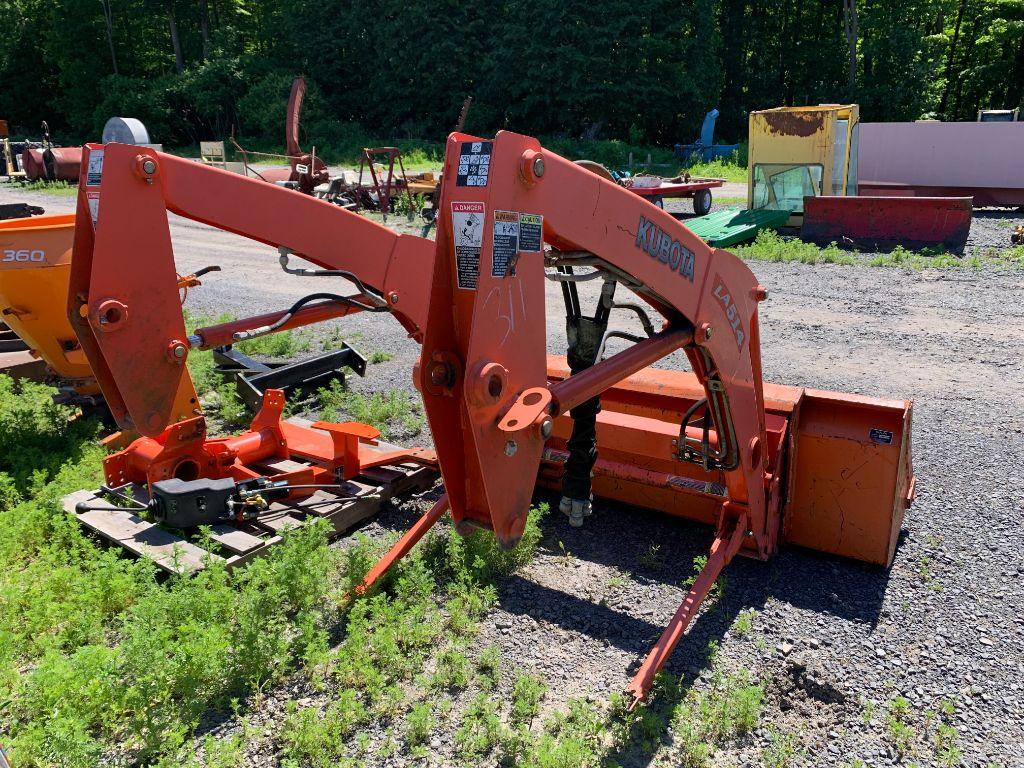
(584, 335)
(570, 295)
(331, 297)
(269, 488)
(108, 491)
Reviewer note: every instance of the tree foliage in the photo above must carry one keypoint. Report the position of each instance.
(642, 70)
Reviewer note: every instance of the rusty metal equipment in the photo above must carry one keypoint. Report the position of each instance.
(305, 171)
(657, 189)
(764, 464)
(808, 161)
(47, 162)
(882, 223)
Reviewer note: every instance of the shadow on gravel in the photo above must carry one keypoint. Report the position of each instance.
(657, 552)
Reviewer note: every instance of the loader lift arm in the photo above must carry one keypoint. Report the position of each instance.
(122, 275)
(476, 308)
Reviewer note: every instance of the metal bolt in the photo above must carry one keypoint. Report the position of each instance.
(538, 166)
(393, 297)
(439, 374)
(149, 165)
(179, 351)
(545, 428)
(511, 448)
(707, 333)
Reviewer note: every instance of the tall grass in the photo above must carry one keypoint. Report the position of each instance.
(100, 660)
(52, 188)
(771, 246)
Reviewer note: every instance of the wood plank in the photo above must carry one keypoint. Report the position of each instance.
(236, 540)
(170, 552)
(278, 519)
(383, 475)
(354, 512)
(320, 504)
(282, 465)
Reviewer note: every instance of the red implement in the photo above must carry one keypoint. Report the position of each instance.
(881, 223)
(761, 463)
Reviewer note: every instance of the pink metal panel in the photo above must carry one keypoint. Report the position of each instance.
(952, 156)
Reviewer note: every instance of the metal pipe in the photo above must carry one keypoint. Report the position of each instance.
(570, 392)
(404, 544)
(650, 478)
(725, 545)
(219, 335)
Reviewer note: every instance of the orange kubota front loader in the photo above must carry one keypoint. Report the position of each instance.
(763, 464)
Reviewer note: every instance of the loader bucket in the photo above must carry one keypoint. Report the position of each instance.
(881, 223)
(34, 274)
(843, 461)
(850, 477)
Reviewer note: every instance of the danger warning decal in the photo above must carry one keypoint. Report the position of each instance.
(94, 173)
(468, 236)
(474, 163)
(506, 243)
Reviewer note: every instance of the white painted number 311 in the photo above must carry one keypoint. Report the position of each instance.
(24, 255)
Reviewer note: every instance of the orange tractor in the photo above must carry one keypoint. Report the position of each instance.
(764, 464)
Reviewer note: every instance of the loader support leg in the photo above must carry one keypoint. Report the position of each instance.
(403, 545)
(726, 544)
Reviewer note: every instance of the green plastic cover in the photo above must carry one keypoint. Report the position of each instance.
(733, 225)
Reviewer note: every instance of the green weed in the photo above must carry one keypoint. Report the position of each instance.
(95, 653)
(771, 246)
(732, 169)
(318, 738)
(53, 188)
(947, 751)
(453, 671)
(392, 413)
(782, 751)
(527, 692)
(481, 729)
(651, 559)
(380, 356)
(419, 723)
(408, 205)
(897, 725)
(488, 667)
(37, 438)
(744, 622)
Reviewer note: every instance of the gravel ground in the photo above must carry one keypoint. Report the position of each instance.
(834, 640)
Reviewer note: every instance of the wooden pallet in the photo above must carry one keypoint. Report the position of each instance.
(170, 551)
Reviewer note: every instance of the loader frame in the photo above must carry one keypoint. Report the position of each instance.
(510, 215)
